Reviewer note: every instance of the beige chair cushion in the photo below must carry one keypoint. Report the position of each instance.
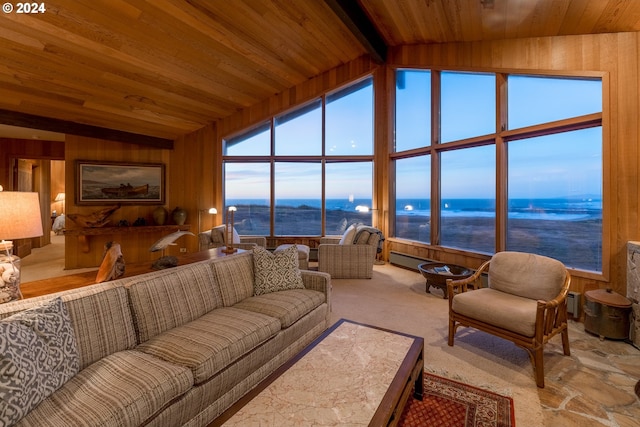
(501, 309)
(527, 275)
(349, 234)
(218, 235)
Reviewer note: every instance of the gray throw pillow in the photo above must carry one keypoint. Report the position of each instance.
(276, 271)
(38, 354)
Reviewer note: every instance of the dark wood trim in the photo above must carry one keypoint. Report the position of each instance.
(62, 126)
(360, 25)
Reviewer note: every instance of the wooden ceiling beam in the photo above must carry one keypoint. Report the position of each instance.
(62, 126)
(355, 18)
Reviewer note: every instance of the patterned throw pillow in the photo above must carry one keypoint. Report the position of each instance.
(276, 271)
(38, 354)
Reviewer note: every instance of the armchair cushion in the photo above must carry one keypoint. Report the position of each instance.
(526, 275)
(349, 234)
(501, 309)
(218, 235)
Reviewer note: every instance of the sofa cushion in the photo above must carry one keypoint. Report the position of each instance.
(501, 309)
(123, 389)
(276, 271)
(234, 275)
(212, 342)
(38, 354)
(526, 275)
(102, 322)
(287, 306)
(162, 302)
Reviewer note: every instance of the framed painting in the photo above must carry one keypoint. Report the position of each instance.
(100, 183)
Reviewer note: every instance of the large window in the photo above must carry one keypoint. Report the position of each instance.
(413, 198)
(549, 142)
(467, 204)
(303, 172)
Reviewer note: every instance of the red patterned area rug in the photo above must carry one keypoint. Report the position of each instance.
(448, 403)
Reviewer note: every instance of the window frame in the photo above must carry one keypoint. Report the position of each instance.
(499, 139)
(323, 158)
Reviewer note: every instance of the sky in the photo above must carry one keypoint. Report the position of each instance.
(562, 165)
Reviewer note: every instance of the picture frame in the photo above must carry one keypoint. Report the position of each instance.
(106, 183)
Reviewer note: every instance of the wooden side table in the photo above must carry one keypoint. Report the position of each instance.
(436, 274)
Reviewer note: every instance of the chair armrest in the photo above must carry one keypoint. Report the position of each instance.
(330, 240)
(258, 240)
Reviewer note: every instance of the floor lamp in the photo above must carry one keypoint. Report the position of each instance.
(20, 218)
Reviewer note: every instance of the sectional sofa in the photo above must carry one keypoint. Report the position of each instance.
(169, 348)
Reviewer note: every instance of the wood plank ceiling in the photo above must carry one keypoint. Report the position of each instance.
(164, 68)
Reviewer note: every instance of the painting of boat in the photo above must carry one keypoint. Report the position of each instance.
(124, 183)
(126, 190)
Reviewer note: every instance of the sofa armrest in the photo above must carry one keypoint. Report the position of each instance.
(258, 240)
(321, 282)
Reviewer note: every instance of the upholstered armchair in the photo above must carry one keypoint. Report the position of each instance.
(525, 302)
(215, 238)
(350, 256)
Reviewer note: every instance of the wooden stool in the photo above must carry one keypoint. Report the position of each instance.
(303, 255)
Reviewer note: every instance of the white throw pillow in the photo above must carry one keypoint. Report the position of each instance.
(218, 231)
(38, 354)
(349, 234)
(276, 271)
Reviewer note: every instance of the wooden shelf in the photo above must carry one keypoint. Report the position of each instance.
(84, 233)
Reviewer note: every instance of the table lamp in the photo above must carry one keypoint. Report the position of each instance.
(228, 229)
(20, 218)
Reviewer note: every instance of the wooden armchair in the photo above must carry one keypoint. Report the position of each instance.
(525, 302)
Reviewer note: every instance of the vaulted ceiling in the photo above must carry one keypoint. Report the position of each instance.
(158, 69)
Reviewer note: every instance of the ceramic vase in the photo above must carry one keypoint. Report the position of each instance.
(179, 216)
(160, 215)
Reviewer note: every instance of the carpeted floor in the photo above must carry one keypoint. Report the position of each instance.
(448, 403)
(395, 299)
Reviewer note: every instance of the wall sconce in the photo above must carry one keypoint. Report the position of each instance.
(20, 218)
(229, 226)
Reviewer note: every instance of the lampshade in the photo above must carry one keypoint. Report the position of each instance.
(19, 215)
(60, 197)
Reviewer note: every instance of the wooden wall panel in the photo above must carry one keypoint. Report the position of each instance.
(615, 56)
(135, 247)
(26, 149)
(194, 176)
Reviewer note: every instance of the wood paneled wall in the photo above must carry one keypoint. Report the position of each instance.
(135, 246)
(613, 55)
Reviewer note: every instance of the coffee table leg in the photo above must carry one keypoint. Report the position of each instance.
(418, 388)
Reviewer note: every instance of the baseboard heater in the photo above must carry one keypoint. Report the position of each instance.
(412, 262)
(573, 304)
(407, 261)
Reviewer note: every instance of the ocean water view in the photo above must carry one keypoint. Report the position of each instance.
(568, 229)
(558, 209)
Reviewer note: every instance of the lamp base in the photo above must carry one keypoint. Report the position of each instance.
(9, 278)
(228, 250)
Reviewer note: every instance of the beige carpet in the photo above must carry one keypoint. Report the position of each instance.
(395, 298)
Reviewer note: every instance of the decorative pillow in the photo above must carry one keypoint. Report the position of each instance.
(276, 271)
(349, 234)
(38, 354)
(218, 236)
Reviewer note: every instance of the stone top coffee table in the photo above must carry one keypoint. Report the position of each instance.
(353, 374)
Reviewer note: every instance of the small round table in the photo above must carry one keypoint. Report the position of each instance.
(436, 274)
